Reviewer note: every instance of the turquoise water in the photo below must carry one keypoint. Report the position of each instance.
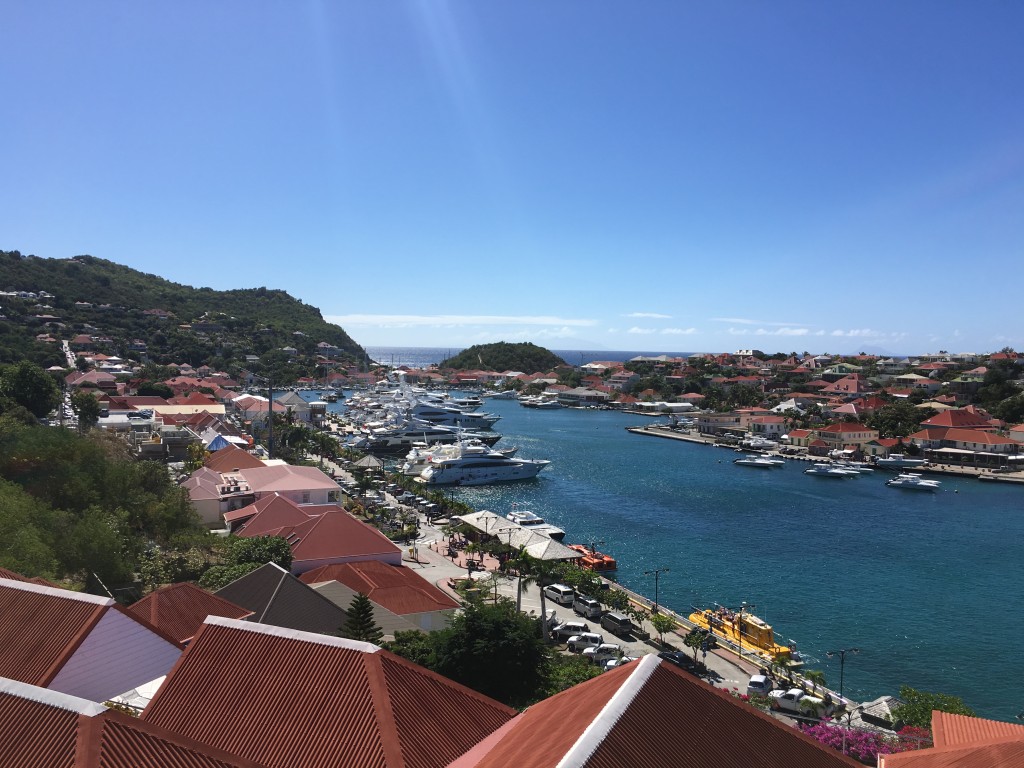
(926, 585)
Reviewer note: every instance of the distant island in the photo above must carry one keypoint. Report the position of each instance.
(502, 356)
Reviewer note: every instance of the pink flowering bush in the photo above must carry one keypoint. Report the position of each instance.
(865, 746)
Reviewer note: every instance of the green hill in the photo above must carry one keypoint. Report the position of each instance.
(502, 356)
(99, 297)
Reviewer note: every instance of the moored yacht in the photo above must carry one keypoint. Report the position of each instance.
(827, 470)
(899, 460)
(912, 482)
(756, 461)
(480, 470)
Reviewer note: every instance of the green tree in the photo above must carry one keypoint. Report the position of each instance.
(695, 640)
(662, 623)
(28, 385)
(416, 646)
(260, 550)
(898, 418)
(496, 650)
(359, 623)
(815, 677)
(539, 573)
(86, 408)
(567, 671)
(916, 709)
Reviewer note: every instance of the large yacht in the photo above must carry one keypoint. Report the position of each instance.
(471, 469)
(899, 461)
(421, 456)
(401, 439)
(827, 470)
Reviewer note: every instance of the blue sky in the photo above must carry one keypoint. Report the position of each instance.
(678, 176)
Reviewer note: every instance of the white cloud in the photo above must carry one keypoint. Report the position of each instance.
(746, 321)
(655, 315)
(861, 333)
(679, 331)
(783, 332)
(739, 331)
(634, 329)
(453, 321)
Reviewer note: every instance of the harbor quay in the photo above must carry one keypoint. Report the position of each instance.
(435, 559)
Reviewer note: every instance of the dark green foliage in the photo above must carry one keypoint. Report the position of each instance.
(260, 550)
(898, 419)
(491, 648)
(82, 507)
(86, 408)
(567, 671)
(502, 356)
(29, 386)
(226, 324)
(359, 624)
(221, 575)
(917, 706)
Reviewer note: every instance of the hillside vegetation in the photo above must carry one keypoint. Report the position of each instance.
(223, 324)
(502, 356)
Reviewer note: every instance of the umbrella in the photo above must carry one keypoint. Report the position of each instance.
(370, 461)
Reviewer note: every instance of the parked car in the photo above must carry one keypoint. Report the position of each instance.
(613, 663)
(759, 685)
(797, 701)
(679, 659)
(584, 640)
(559, 593)
(587, 607)
(617, 623)
(599, 654)
(562, 632)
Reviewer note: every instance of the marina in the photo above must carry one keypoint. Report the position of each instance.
(899, 575)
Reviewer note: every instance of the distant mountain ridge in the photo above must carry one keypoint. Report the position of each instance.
(503, 356)
(124, 302)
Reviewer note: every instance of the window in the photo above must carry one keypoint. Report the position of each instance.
(305, 497)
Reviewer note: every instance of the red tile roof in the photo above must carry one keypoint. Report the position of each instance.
(180, 609)
(54, 730)
(965, 742)
(394, 587)
(288, 698)
(231, 458)
(958, 417)
(648, 713)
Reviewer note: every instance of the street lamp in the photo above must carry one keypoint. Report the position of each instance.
(656, 572)
(841, 653)
(744, 606)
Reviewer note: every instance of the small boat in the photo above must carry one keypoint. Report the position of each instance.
(913, 482)
(827, 470)
(593, 560)
(329, 397)
(505, 394)
(532, 522)
(899, 460)
(755, 461)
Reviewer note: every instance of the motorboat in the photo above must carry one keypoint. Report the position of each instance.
(828, 470)
(756, 461)
(541, 403)
(451, 416)
(593, 560)
(421, 455)
(402, 439)
(899, 461)
(854, 466)
(532, 522)
(472, 469)
(505, 394)
(913, 482)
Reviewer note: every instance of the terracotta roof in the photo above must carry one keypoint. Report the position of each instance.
(6, 574)
(965, 742)
(961, 417)
(179, 609)
(394, 587)
(288, 699)
(284, 477)
(847, 426)
(60, 731)
(648, 713)
(231, 458)
(42, 628)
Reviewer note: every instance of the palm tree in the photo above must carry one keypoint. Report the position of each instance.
(815, 677)
(541, 573)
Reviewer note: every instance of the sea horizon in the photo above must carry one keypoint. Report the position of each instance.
(419, 357)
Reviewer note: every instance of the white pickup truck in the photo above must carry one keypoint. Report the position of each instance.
(798, 702)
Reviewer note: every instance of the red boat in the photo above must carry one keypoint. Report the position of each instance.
(593, 560)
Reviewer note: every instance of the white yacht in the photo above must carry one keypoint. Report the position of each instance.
(899, 461)
(827, 470)
(453, 417)
(536, 523)
(756, 461)
(913, 482)
(421, 455)
(470, 469)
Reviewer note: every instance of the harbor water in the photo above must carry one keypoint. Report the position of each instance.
(927, 586)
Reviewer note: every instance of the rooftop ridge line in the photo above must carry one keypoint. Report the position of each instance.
(50, 698)
(66, 594)
(292, 634)
(601, 726)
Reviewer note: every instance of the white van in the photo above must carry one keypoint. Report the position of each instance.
(587, 607)
(559, 593)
